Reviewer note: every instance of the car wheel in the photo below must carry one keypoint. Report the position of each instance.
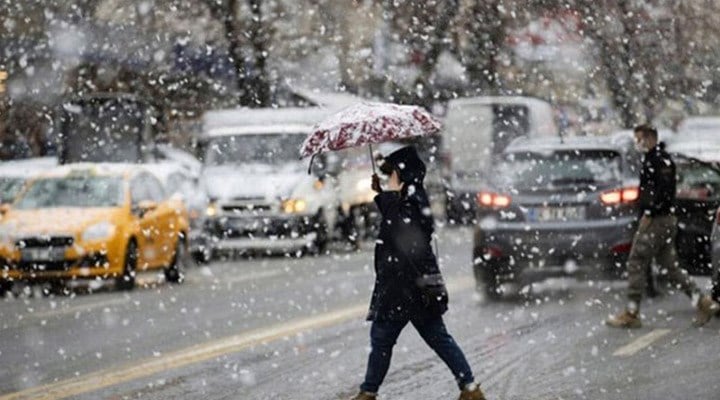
(486, 278)
(175, 272)
(127, 280)
(5, 287)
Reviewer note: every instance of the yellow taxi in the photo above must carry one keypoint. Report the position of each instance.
(96, 221)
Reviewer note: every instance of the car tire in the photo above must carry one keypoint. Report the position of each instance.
(126, 281)
(175, 272)
(202, 256)
(486, 278)
(5, 287)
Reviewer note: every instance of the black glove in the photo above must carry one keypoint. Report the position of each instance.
(376, 184)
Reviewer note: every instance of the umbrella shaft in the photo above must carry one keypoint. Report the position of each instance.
(372, 157)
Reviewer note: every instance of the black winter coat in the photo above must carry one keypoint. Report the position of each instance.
(657, 183)
(403, 251)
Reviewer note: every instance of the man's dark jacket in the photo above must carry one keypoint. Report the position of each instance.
(403, 250)
(657, 183)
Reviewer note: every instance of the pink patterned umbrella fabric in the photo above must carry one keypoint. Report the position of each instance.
(368, 123)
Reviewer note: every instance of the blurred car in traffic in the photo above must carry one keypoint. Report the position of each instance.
(700, 145)
(554, 205)
(568, 207)
(698, 196)
(95, 222)
(707, 125)
(261, 196)
(476, 132)
(14, 174)
(180, 183)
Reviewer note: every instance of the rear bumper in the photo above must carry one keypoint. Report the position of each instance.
(555, 249)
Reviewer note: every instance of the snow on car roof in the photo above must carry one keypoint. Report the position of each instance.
(162, 170)
(219, 120)
(545, 144)
(27, 167)
(488, 100)
(259, 130)
(102, 169)
(703, 124)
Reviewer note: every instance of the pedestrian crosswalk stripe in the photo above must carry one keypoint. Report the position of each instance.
(640, 343)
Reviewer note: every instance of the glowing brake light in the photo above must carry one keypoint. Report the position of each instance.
(487, 199)
(617, 196)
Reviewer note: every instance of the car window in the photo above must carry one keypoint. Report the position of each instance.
(559, 168)
(139, 190)
(697, 181)
(9, 188)
(72, 192)
(154, 188)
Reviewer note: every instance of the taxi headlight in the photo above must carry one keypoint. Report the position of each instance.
(7, 236)
(99, 231)
(291, 206)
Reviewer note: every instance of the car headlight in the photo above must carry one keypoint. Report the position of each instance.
(99, 231)
(7, 235)
(7, 239)
(291, 206)
(211, 210)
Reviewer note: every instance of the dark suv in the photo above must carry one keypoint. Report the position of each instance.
(556, 207)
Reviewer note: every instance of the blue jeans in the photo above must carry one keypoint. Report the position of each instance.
(383, 336)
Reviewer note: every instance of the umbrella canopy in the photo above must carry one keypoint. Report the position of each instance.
(368, 123)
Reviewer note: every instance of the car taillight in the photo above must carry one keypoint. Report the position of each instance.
(618, 196)
(488, 199)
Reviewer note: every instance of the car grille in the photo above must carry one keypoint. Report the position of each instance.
(246, 208)
(260, 227)
(45, 241)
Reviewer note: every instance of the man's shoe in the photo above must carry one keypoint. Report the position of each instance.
(365, 396)
(706, 308)
(625, 319)
(473, 393)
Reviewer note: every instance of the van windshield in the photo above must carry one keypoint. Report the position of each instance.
(475, 132)
(271, 149)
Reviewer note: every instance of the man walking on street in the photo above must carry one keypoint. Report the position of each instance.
(655, 236)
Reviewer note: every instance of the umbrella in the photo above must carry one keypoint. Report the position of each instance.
(368, 123)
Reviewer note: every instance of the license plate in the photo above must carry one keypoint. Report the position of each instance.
(245, 224)
(554, 214)
(43, 254)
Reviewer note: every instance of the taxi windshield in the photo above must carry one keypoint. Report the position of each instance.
(76, 192)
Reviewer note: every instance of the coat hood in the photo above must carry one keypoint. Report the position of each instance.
(411, 170)
(407, 163)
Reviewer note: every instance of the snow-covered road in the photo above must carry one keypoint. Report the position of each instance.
(294, 329)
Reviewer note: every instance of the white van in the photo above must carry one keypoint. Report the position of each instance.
(261, 196)
(476, 129)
